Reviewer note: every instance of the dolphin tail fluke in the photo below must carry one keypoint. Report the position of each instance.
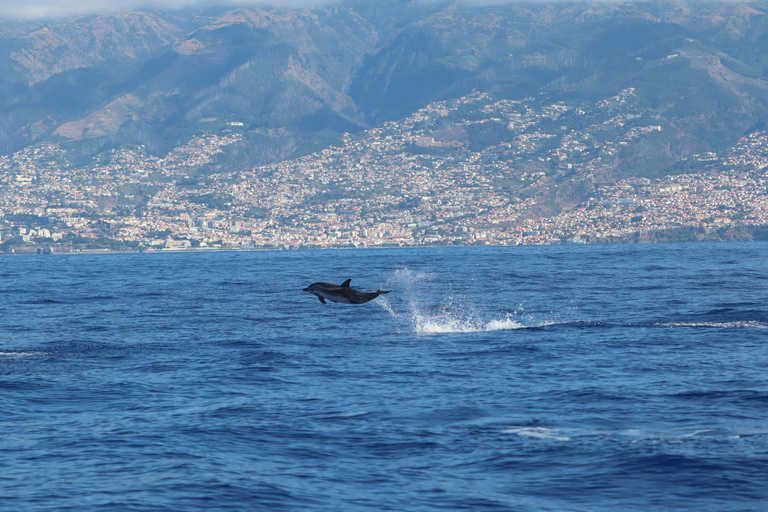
(382, 292)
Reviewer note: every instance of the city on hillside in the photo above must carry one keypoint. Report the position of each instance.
(467, 171)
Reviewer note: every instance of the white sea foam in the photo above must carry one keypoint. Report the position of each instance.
(676, 436)
(634, 436)
(22, 354)
(438, 324)
(538, 433)
(505, 324)
(718, 325)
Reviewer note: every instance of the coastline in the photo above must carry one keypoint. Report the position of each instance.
(673, 236)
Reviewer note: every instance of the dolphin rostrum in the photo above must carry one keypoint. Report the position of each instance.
(341, 293)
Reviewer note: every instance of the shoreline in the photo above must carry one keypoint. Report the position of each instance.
(37, 252)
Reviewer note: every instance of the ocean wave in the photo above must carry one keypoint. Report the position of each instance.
(23, 354)
(634, 435)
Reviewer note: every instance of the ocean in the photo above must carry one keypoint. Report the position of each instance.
(561, 378)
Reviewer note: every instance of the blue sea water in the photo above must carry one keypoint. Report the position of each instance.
(566, 378)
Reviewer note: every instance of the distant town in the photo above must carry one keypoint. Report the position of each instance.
(469, 171)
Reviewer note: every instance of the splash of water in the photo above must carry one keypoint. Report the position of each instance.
(437, 324)
(383, 301)
(453, 315)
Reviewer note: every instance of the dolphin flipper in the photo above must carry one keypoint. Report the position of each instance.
(322, 300)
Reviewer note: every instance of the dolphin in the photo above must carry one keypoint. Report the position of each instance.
(342, 293)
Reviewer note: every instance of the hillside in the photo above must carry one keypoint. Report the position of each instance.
(292, 81)
(471, 170)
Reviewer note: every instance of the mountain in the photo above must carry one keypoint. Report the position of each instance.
(293, 80)
(157, 79)
(701, 69)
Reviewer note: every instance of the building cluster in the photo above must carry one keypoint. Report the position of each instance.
(464, 171)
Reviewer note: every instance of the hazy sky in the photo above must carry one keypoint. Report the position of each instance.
(31, 9)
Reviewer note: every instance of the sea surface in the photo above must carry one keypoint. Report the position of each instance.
(563, 378)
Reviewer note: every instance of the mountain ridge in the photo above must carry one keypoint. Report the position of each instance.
(141, 77)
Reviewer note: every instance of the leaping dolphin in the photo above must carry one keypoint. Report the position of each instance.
(342, 293)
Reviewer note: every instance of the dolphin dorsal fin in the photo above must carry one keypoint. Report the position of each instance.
(345, 284)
